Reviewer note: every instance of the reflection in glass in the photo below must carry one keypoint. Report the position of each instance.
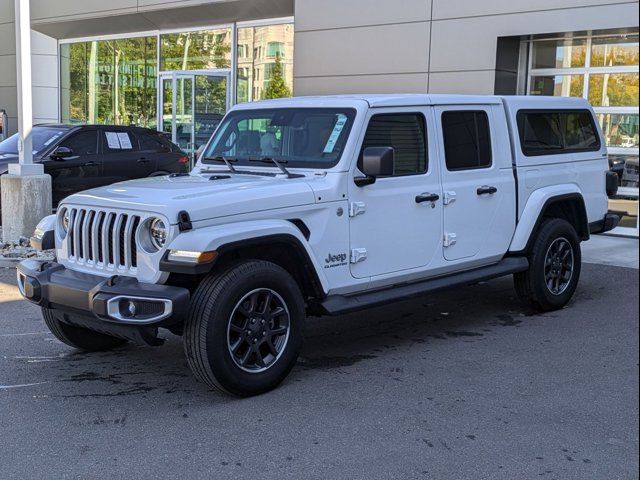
(200, 50)
(620, 130)
(210, 106)
(614, 51)
(558, 85)
(613, 89)
(564, 53)
(265, 62)
(109, 81)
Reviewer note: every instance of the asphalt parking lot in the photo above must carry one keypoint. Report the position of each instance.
(463, 385)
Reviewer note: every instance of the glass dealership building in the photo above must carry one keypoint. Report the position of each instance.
(177, 66)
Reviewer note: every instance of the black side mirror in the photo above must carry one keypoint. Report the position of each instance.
(376, 162)
(61, 153)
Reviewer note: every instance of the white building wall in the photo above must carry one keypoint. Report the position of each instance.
(44, 71)
(438, 46)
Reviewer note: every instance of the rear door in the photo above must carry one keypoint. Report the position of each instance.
(164, 156)
(477, 181)
(81, 171)
(122, 157)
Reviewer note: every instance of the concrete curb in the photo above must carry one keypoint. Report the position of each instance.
(9, 262)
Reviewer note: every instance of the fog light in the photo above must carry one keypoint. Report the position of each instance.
(139, 309)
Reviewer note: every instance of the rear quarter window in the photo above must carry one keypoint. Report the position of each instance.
(553, 132)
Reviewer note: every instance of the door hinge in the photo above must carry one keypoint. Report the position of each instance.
(358, 255)
(450, 239)
(449, 197)
(356, 208)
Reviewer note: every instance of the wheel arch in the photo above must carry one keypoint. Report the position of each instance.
(282, 242)
(284, 250)
(568, 205)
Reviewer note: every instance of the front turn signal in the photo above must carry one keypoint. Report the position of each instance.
(194, 258)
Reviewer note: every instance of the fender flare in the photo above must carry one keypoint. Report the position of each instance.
(536, 204)
(226, 237)
(44, 234)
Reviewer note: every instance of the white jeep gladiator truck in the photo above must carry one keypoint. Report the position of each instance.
(322, 206)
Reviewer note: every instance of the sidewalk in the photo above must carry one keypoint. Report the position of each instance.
(611, 250)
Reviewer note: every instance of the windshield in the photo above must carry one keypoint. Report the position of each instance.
(299, 137)
(43, 137)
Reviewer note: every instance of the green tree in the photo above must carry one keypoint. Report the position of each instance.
(277, 87)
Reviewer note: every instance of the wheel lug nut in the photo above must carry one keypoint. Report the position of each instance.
(264, 334)
(255, 340)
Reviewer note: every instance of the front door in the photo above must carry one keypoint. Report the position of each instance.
(80, 171)
(193, 103)
(392, 227)
(477, 182)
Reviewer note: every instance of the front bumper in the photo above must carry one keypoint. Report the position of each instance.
(119, 306)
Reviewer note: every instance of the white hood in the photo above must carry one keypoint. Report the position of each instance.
(201, 197)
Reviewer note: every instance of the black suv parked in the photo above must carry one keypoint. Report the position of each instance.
(88, 156)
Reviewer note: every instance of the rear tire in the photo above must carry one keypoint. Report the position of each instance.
(244, 329)
(78, 337)
(554, 267)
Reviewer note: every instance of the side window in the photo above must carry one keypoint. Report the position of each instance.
(84, 142)
(579, 131)
(467, 139)
(118, 141)
(149, 142)
(406, 134)
(554, 132)
(539, 133)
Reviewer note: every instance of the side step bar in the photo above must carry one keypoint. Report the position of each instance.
(341, 304)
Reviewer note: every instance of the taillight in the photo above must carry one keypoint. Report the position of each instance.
(183, 160)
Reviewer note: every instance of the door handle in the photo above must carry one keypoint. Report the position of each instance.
(427, 197)
(143, 160)
(486, 190)
(90, 164)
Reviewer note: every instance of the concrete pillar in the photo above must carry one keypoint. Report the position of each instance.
(26, 199)
(25, 190)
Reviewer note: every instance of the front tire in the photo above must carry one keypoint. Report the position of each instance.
(244, 329)
(554, 267)
(78, 337)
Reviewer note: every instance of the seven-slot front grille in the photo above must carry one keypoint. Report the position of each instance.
(103, 239)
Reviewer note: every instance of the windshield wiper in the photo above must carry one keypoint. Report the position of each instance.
(277, 163)
(227, 160)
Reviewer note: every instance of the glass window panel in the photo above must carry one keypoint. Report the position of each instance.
(558, 85)
(467, 141)
(275, 49)
(565, 53)
(613, 89)
(620, 130)
(614, 51)
(206, 49)
(73, 83)
(82, 143)
(109, 81)
(265, 62)
(405, 133)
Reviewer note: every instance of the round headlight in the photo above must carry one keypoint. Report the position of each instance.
(157, 233)
(63, 222)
